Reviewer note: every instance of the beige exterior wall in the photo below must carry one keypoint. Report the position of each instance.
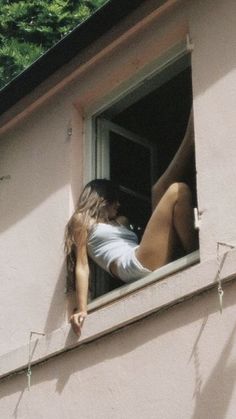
(177, 364)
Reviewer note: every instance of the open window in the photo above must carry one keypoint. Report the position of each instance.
(137, 137)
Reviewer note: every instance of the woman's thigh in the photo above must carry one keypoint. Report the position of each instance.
(157, 243)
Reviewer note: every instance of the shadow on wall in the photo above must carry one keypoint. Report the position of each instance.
(35, 159)
(34, 201)
(62, 304)
(58, 307)
(213, 397)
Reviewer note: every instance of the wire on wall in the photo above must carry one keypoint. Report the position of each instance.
(220, 263)
(29, 370)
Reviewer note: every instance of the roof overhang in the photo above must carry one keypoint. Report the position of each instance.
(67, 49)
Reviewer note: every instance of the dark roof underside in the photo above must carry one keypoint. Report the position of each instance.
(65, 50)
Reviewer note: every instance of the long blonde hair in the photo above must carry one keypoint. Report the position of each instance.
(91, 207)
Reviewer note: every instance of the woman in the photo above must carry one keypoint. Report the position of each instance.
(95, 229)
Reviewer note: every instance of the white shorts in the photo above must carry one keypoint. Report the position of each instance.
(129, 268)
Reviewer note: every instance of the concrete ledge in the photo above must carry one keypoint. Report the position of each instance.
(163, 272)
(136, 305)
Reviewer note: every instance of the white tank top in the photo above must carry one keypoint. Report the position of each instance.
(107, 242)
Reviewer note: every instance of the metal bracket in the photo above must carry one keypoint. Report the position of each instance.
(190, 45)
(197, 219)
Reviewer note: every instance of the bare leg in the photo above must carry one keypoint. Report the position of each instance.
(156, 246)
(184, 220)
(177, 167)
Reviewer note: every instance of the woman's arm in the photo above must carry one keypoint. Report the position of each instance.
(81, 284)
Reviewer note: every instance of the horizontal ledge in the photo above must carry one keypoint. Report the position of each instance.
(132, 307)
(157, 275)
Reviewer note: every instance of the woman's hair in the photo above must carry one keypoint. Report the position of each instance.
(92, 204)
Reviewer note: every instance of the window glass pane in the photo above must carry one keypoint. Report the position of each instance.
(130, 164)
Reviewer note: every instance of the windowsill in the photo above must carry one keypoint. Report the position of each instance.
(154, 293)
(167, 270)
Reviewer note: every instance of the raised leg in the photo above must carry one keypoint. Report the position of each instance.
(173, 215)
(184, 219)
(177, 167)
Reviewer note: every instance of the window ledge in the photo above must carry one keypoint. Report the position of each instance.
(147, 297)
(163, 272)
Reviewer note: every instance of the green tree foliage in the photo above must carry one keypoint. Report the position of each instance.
(29, 28)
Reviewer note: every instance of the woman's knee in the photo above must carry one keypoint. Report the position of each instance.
(178, 190)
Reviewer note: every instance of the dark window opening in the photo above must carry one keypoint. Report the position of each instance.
(140, 137)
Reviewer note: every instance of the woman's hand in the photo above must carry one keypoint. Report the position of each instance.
(77, 321)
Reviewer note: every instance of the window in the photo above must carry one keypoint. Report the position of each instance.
(136, 138)
(127, 159)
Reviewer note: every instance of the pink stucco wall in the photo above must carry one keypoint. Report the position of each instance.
(178, 364)
(214, 73)
(35, 204)
(29, 200)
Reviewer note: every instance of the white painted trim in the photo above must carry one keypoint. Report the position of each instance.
(104, 128)
(118, 129)
(138, 304)
(103, 149)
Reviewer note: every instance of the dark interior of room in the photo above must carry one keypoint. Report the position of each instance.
(162, 116)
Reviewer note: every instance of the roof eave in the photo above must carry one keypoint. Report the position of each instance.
(65, 50)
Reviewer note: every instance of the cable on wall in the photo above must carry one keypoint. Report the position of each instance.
(29, 370)
(220, 263)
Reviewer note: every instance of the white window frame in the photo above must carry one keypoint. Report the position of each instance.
(102, 146)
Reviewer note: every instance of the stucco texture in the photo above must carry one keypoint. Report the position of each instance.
(177, 364)
(35, 206)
